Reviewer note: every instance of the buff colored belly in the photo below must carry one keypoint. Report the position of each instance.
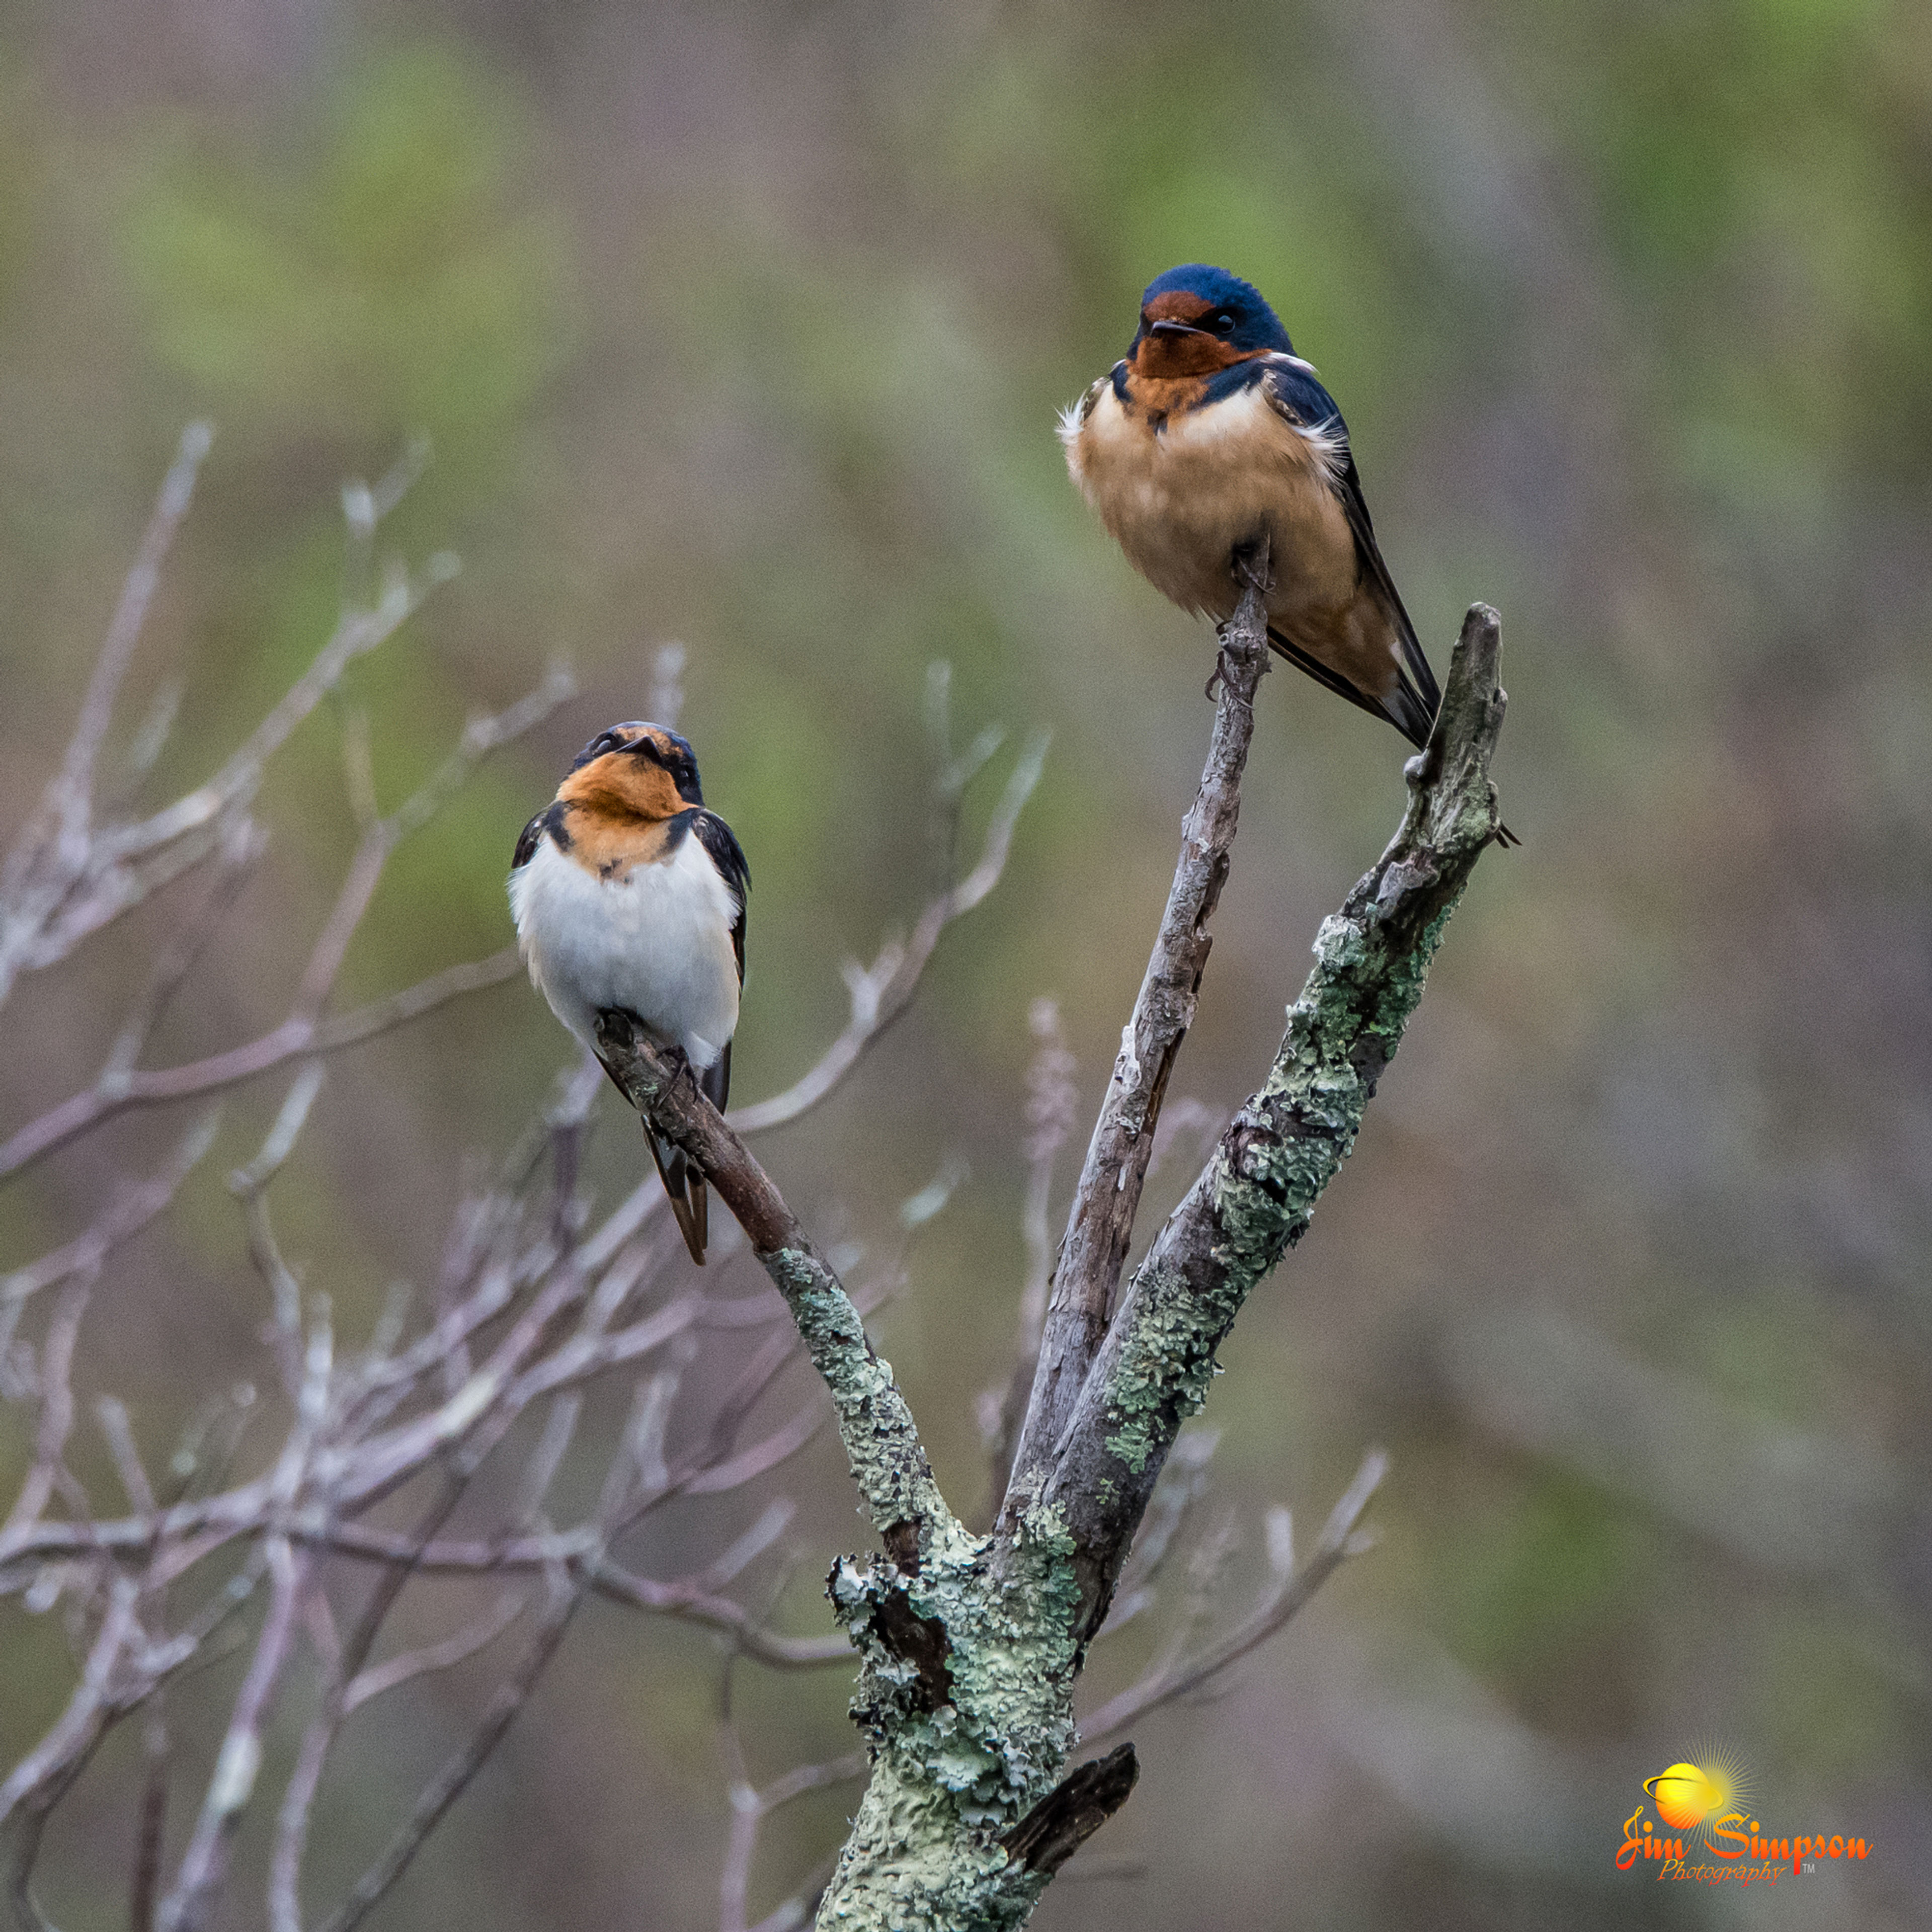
(1179, 502)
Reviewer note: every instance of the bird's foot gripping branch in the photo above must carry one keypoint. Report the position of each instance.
(970, 1646)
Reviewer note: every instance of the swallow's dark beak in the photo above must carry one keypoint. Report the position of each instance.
(1172, 331)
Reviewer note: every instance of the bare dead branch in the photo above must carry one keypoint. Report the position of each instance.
(448, 1785)
(121, 1086)
(150, 1832)
(55, 1390)
(1094, 1248)
(1182, 1484)
(204, 1866)
(293, 1039)
(721, 1614)
(125, 1216)
(88, 1711)
(666, 703)
(1254, 1199)
(751, 1806)
(57, 832)
(111, 1413)
(396, 1671)
(242, 845)
(64, 889)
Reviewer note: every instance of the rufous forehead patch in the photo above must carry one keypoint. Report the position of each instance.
(1178, 305)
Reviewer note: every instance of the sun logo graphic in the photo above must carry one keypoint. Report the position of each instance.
(1689, 1795)
(1709, 1797)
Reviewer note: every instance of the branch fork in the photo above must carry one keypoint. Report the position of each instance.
(970, 1646)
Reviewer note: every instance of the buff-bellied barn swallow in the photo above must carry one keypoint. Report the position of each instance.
(628, 893)
(1212, 433)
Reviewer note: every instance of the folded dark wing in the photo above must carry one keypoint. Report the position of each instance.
(1298, 397)
(728, 856)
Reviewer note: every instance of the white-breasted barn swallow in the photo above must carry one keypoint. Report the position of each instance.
(1211, 434)
(628, 893)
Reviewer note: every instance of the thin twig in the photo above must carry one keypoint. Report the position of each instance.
(751, 1806)
(393, 1671)
(88, 1710)
(1290, 1590)
(449, 1784)
(882, 991)
(121, 1086)
(204, 1865)
(150, 1834)
(52, 845)
(1049, 1115)
(56, 1420)
(126, 1215)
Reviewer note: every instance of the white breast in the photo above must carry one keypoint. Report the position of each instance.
(657, 943)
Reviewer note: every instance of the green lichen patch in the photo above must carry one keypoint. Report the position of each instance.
(881, 1439)
(1161, 1373)
(947, 1782)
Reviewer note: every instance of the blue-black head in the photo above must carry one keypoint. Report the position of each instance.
(1195, 319)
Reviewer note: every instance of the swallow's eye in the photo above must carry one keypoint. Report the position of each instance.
(1224, 324)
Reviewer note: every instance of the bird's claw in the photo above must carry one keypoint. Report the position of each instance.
(1248, 565)
(1222, 676)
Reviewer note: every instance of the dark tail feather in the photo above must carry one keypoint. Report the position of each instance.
(1404, 709)
(715, 1083)
(1412, 711)
(686, 1191)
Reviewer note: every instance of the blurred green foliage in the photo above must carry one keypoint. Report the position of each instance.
(372, 272)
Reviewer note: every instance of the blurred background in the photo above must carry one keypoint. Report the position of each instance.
(744, 325)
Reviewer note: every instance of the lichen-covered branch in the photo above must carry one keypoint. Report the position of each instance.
(967, 1667)
(881, 1440)
(1253, 1200)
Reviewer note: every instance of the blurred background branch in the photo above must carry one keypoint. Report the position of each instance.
(533, 1305)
